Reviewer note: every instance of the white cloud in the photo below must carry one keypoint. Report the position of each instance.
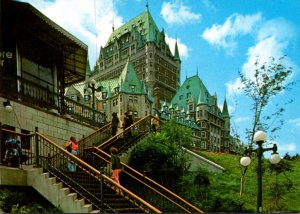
(295, 121)
(234, 87)
(284, 148)
(209, 5)
(272, 41)
(90, 21)
(241, 119)
(177, 13)
(276, 27)
(224, 36)
(182, 48)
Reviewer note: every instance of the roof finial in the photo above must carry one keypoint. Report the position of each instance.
(147, 5)
(197, 70)
(186, 75)
(113, 26)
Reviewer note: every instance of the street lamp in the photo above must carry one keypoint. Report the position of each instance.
(259, 138)
(91, 88)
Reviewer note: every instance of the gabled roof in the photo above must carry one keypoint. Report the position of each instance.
(129, 78)
(194, 87)
(142, 23)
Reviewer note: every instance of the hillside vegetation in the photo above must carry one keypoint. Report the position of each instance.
(282, 197)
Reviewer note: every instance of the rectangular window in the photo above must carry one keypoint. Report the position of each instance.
(104, 95)
(203, 144)
(130, 99)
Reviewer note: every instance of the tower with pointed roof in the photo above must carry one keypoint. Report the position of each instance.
(226, 116)
(142, 41)
(193, 106)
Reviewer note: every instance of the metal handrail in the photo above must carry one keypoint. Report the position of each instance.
(48, 149)
(120, 141)
(130, 134)
(178, 203)
(26, 148)
(102, 134)
(29, 93)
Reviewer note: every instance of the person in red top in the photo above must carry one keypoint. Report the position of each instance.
(72, 147)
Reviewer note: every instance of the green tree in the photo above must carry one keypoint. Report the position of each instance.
(268, 80)
(278, 189)
(160, 154)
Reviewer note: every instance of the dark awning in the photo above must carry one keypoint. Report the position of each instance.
(73, 51)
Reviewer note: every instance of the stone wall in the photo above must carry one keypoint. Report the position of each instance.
(56, 127)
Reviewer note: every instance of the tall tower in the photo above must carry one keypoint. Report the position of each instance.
(141, 40)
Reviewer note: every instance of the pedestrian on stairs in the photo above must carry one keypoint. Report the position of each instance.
(114, 123)
(72, 147)
(116, 165)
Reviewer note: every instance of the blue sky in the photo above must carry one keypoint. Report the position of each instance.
(216, 38)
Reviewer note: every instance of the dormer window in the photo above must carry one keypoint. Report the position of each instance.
(74, 97)
(116, 90)
(132, 88)
(188, 95)
(104, 95)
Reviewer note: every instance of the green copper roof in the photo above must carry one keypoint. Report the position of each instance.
(191, 90)
(143, 23)
(176, 53)
(225, 111)
(88, 71)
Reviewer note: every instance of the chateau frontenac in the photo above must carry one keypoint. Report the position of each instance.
(137, 72)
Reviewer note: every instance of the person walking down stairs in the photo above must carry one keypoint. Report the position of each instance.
(116, 165)
(72, 147)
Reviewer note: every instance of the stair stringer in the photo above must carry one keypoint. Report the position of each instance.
(55, 193)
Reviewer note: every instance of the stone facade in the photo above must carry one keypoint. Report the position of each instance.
(141, 41)
(55, 127)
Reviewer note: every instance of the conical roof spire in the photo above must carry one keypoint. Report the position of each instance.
(176, 52)
(225, 109)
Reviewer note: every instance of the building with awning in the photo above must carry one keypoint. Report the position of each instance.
(38, 60)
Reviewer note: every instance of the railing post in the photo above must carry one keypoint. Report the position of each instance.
(36, 147)
(101, 192)
(1, 144)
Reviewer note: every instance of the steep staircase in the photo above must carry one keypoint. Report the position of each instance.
(90, 188)
(136, 182)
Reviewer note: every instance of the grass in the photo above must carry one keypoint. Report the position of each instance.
(229, 182)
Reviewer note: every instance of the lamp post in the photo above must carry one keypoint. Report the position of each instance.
(91, 89)
(259, 138)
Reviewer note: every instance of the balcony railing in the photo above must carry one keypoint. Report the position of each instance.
(38, 96)
(90, 184)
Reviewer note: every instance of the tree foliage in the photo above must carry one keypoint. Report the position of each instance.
(15, 200)
(269, 79)
(160, 156)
